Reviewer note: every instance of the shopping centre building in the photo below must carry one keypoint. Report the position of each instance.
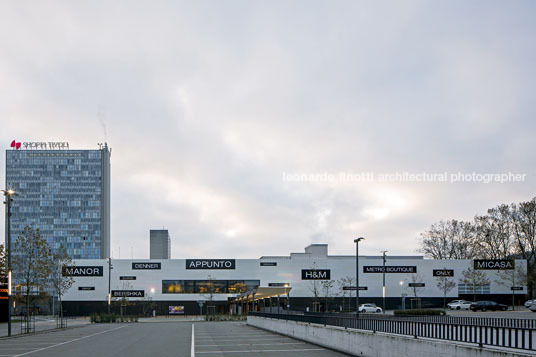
(312, 280)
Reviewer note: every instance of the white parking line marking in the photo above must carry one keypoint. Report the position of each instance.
(251, 351)
(257, 339)
(255, 344)
(192, 352)
(76, 339)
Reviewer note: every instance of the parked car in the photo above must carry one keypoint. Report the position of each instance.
(454, 302)
(532, 307)
(459, 305)
(487, 305)
(529, 302)
(369, 308)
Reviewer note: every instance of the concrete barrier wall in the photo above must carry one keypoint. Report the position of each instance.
(366, 343)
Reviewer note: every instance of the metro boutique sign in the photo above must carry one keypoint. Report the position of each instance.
(205, 264)
(390, 269)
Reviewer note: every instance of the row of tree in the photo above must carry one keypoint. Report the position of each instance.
(37, 269)
(505, 232)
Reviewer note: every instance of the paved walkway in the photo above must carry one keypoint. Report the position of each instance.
(42, 323)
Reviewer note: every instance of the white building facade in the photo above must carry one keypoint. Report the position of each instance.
(185, 282)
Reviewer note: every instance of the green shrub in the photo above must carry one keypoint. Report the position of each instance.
(111, 318)
(225, 317)
(418, 312)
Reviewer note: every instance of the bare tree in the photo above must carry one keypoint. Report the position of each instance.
(415, 278)
(448, 240)
(445, 284)
(473, 278)
(60, 277)
(327, 286)
(523, 220)
(315, 287)
(147, 304)
(122, 301)
(494, 234)
(516, 277)
(32, 264)
(208, 292)
(344, 282)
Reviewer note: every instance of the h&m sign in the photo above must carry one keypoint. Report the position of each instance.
(443, 272)
(146, 266)
(210, 264)
(82, 271)
(316, 274)
(390, 269)
(128, 293)
(494, 264)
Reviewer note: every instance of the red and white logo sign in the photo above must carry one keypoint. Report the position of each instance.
(15, 145)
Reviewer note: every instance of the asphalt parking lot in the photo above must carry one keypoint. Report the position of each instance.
(232, 339)
(141, 339)
(165, 338)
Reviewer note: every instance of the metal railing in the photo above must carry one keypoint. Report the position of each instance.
(27, 323)
(446, 319)
(509, 337)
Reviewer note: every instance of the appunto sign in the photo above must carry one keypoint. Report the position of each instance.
(210, 264)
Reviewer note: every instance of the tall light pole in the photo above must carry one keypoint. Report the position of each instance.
(109, 283)
(356, 241)
(383, 291)
(8, 194)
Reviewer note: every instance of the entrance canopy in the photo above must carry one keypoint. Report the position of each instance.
(262, 292)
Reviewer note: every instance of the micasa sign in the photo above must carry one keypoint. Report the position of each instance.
(82, 271)
(494, 264)
(210, 264)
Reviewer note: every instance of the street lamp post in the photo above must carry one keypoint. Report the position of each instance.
(109, 283)
(8, 194)
(383, 291)
(356, 241)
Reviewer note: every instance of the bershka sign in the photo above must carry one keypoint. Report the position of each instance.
(146, 266)
(316, 274)
(129, 277)
(443, 272)
(210, 264)
(128, 293)
(494, 264)
(82, 271)
(390, 269)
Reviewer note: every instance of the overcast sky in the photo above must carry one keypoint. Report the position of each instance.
(212, 107)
